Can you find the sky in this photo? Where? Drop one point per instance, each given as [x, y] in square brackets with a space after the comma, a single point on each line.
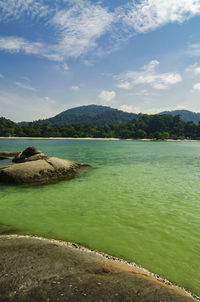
[133, 55]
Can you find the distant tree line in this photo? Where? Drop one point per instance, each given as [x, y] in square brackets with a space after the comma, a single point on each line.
[145, 126]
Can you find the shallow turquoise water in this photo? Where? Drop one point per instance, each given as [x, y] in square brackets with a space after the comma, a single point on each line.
[141, 202]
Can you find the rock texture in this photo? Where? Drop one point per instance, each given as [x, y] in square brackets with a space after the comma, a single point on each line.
[33, 167]
[38, 270]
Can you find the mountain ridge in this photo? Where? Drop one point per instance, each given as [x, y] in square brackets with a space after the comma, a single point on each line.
[89, 115]
[157, 126]
[186, 115]
[98, 115]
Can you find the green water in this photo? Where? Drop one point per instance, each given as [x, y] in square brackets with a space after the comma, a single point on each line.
[141, 202]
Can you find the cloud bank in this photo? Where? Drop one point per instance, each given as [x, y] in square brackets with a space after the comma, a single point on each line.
[79, 26]
[107, 96]
[148, 15]
[149, 76]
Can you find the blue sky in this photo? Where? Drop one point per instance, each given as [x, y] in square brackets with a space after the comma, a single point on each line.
[137, 56]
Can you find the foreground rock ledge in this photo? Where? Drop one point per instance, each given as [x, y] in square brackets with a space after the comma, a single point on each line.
[34, 167]
[36, 269]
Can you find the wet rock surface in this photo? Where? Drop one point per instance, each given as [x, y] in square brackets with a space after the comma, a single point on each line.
[34, 167]
[37, 270]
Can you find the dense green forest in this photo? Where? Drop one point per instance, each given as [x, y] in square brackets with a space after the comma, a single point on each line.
[145, 126]
[9, 128]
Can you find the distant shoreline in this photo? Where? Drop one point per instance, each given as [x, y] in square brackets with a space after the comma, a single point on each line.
[101, 139]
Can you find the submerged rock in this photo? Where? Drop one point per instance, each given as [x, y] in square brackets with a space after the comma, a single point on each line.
[34, 167]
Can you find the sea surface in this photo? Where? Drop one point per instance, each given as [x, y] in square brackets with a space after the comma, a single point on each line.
[140, 202]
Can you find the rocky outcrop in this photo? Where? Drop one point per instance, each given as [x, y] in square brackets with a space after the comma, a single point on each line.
[29, 154]
[40, 270]
[6, 155]
[34, 167]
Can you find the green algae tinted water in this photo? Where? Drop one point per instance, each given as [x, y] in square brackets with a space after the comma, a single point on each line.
[141, 202]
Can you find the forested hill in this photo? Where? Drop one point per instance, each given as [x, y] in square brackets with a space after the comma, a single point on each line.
[9, 128]
[158, 126]
[186, 115]
[93, 115]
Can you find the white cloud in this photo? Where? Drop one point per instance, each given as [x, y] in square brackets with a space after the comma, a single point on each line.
[124, 85]
[147, 75]
[25, 86]
[194, 69]
[1, 76]
[130, 109]
[75, 88]
[196, 86]
[80, 26]
[76, 26]
[15, 44]
[160, 86]
[107, 95]
[197, 70]
[50, 56]
[148, 15]
[14, 9]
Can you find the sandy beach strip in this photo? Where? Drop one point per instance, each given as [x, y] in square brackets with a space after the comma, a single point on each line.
[99, 139]
[64, 138]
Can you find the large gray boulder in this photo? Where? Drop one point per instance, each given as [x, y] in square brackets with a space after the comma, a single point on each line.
[37, 168]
